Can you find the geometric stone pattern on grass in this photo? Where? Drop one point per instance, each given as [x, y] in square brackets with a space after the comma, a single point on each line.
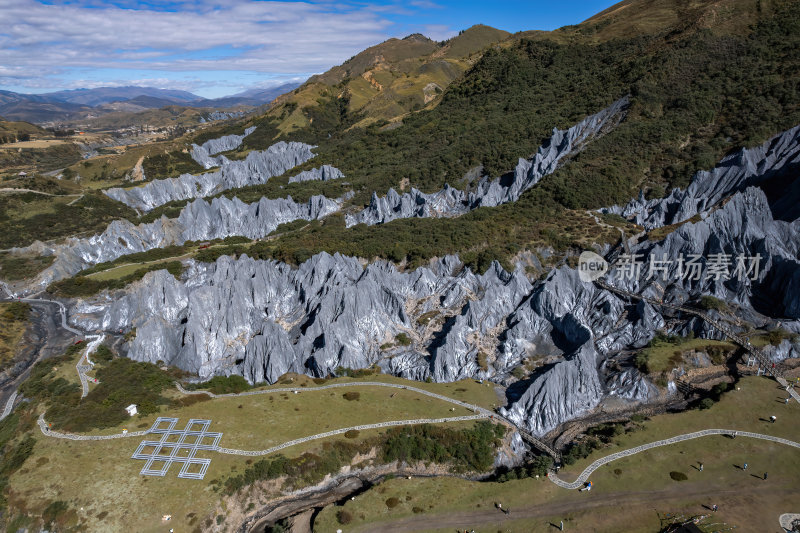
[177, 446]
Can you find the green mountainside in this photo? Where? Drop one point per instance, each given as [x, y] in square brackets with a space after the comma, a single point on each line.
[386, 81]
[696, 94]
[703, 78]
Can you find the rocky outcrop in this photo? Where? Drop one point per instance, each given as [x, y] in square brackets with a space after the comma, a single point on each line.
[740, 230]
[323, 173]
[221, 115]
[260, 319]
[202, 154]
[256, 168]
[199, 220]
[771, 162]
[569, 388]
[492, 192]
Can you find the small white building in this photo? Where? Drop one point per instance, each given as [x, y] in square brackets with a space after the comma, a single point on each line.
[131, 409]
[22, 174]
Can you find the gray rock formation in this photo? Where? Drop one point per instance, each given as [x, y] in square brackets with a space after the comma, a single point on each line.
[261, 319]
[256, 168]
[221, 115]
[202, 154]
[492, 192]
[199, 220]
[323, 173]
[745, 168]
[567, 390]
[742, 228]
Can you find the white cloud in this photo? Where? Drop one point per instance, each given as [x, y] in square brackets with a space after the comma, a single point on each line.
[90, 43]
[265, 36]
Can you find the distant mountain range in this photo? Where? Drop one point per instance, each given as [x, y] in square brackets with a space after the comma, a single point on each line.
[82, 103]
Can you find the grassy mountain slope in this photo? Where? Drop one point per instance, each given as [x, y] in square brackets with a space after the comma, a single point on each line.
[12, 130]
[696, 94]
[388, 80]
[698, 89]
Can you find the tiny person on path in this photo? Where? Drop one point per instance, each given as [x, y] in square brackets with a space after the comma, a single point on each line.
[744, 466]
[714, 507]
[562, 525]
[772, 419]
[701, 467]
[786, 401]
[765, 475]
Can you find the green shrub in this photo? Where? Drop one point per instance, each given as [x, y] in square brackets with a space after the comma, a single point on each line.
[392, 502]
[777, 336]
[539, 466]
[121, 383]
[466, 450]
[103, 354]
[402, 339]
[678, 476]
[352, 396]
[711, 303]
[17, 312]
[222, 385]
[705, 403]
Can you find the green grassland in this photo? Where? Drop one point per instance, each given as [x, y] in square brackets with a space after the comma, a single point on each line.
[664, 353]
[12, 130]
[27, 217]
[99, 488]
[13, 160]
[645, 476]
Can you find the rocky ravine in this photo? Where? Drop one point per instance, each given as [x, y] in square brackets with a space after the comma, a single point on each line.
[261, 319]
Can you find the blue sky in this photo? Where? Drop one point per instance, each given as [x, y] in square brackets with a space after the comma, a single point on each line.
[220, 47]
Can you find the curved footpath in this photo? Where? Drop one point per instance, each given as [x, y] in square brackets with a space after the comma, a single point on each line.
[268, 451]
[80, 367]
[480, 413]
[680, 438]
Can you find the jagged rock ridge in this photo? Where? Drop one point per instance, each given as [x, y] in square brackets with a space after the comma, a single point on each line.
[492, 192]
[199, 220]
[256, 168]
[323, 173]
[201, 154]
[745, 168]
